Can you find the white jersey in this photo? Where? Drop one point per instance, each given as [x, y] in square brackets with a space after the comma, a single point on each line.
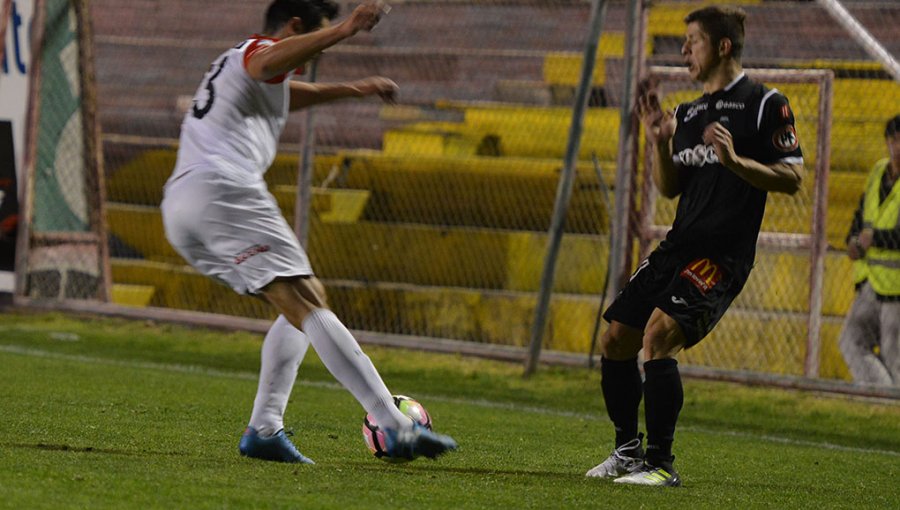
[235, 122]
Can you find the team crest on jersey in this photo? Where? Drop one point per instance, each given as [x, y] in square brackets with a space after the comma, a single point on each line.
[785, 139]
[703, 273]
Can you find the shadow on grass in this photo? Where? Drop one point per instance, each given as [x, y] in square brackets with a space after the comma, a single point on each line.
[90, 449]
[421, 467]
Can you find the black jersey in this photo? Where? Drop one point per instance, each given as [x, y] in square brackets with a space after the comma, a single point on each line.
[718, 210]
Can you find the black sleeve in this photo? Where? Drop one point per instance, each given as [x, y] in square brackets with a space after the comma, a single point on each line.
[856, 224]
[778, 136]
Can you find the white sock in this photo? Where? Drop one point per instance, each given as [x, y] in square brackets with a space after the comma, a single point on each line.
[343, 357]
[282, 351]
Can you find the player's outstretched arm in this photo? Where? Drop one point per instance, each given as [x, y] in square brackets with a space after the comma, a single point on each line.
[307, 94]
[292, 52]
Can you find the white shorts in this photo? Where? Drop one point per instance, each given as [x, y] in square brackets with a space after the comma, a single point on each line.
[233, 232]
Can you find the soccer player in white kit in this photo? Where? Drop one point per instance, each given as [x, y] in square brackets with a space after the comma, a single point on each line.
[219, 215]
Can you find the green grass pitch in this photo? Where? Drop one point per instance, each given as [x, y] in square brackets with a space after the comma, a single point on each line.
[119, 414]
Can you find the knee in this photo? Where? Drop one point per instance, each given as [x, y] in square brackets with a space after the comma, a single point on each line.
[619, 345]
[312, 291]
[662, 339]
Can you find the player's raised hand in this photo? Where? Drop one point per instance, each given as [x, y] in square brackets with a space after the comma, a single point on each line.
[367, 15]
[385, 88]
[719, 137]
[659, 124]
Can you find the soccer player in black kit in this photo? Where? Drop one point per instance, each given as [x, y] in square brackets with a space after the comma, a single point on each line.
[721, 153]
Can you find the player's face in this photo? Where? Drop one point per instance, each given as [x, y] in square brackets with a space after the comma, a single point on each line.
[698, 53]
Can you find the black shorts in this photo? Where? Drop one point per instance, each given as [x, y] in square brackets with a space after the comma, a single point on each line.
[693, 287]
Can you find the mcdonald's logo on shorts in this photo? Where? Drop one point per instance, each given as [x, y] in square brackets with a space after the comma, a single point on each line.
[703, 273]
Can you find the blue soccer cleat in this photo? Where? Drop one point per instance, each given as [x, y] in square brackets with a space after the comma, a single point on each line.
[415, 442]
[277, 447]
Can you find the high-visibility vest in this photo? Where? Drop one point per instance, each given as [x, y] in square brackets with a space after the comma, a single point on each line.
[883, 266]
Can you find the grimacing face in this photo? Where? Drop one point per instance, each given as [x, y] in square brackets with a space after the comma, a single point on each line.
[698, 52]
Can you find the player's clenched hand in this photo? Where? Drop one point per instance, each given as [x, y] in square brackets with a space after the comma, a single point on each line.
[367, 15]
[720, 138]
[659, 124]
[385, 88]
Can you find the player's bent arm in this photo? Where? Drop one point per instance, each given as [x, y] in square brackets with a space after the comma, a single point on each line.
[292, 52]
[777, 177]
[666, 173]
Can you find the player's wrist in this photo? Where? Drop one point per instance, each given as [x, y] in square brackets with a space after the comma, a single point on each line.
[346, 29]
[663, 147]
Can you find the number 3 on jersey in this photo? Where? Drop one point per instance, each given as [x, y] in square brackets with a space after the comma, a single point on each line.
[213, 72]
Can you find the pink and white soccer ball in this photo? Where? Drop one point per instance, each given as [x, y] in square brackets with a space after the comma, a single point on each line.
[374, 436]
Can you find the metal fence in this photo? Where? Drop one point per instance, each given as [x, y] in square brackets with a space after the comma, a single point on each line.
[429, 219]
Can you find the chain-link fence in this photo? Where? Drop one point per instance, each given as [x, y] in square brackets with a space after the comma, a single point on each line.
[430, 217]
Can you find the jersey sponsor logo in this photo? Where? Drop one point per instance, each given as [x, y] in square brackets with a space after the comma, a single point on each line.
[785, 139]
[256, 249]
[729, 105]
[703, 273]
[700, 155]
[695, 110]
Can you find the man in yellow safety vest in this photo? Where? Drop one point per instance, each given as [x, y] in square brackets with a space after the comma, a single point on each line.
[870, 340]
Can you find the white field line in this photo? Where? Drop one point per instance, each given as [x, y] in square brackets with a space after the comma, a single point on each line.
[488, 404]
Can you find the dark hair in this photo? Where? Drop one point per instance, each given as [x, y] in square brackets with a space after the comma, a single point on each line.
[721, 22]
[893, 127]
[312, 12]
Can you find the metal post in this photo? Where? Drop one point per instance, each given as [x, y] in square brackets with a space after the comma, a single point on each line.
[627, 157]
[303, 205]
[818, 239]
[564, 189]
[862, 36]
[93, 147]
[26, 191]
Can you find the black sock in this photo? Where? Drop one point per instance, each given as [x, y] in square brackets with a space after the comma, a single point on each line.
[621, 384]
[663, 398]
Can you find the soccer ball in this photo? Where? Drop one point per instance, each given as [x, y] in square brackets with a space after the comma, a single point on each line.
[374, 436]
